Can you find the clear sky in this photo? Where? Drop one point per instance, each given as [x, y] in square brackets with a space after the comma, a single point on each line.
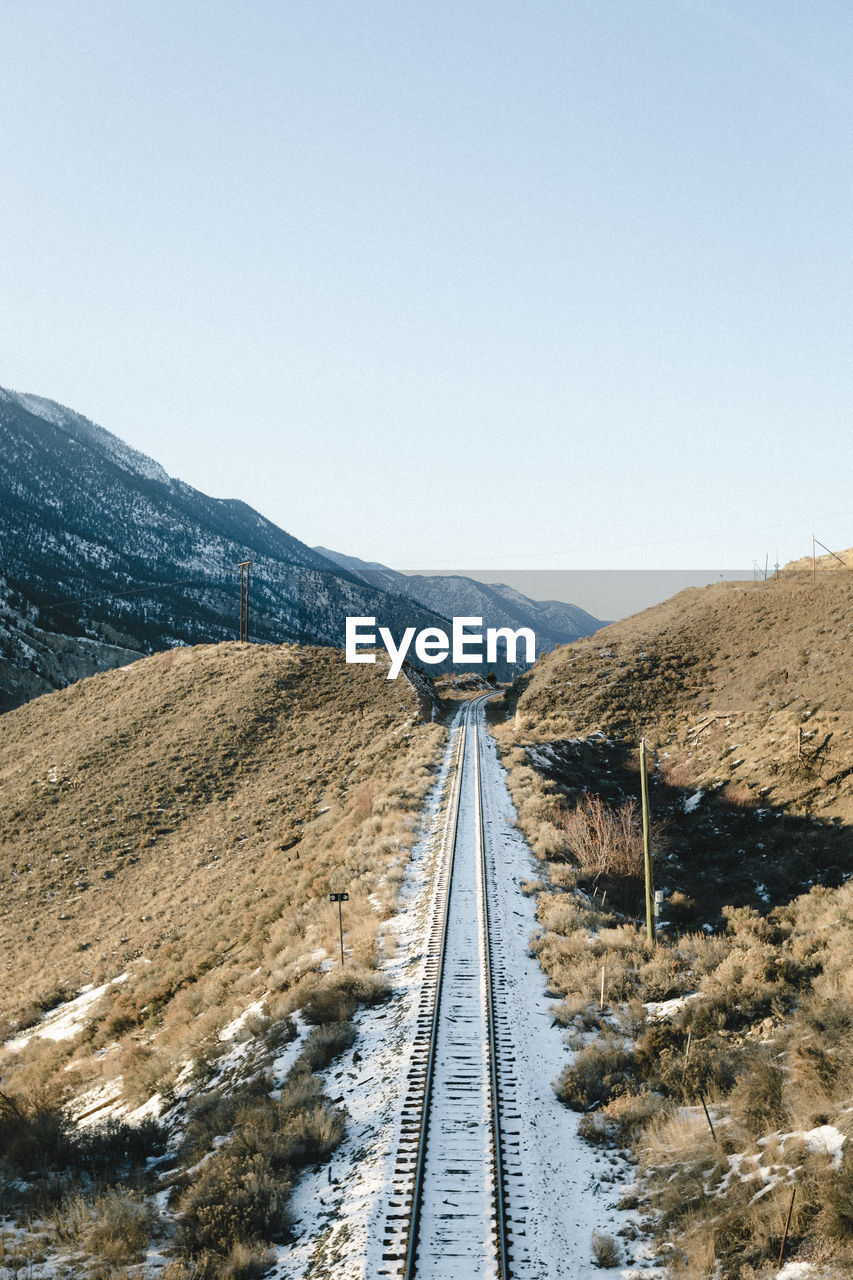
[563, 284]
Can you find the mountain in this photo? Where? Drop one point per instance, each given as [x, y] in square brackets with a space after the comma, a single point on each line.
[34, 661]
[99, 543]
[553, 622]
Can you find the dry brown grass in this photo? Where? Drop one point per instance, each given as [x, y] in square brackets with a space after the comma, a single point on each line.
[184, 820]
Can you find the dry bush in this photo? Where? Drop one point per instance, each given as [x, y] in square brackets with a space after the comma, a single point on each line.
[622, 1120]
[234, 1199]
[739, 795]
[678, 1159]
[337, 996]
[682, 910]
[605, 1250]
[603, 840]
[362, 801]
[678, 774]
[325, 1043]
[37, 1136]
[597, 1073]
[34, 1135]
[241, 1194]
[836, 1214]
[560, 912]
[114, 1226]
[242, 1262]
[757, 1098]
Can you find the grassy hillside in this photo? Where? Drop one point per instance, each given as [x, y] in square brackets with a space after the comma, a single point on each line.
[744, 693]
[171, 831]
[721, 679]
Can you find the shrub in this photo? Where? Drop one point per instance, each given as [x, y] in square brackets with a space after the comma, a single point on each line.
[757, 1097]
[605, 1250]
[620, 1122]
[337, 998]
[682, 909]
[115, 1226]
[836, 1217]
[242, 1262]
[603, 839]
[324, 1044]
[598, 1073]
[233, 1200]
[711, 1068]
[34, 1135]
[363, 799]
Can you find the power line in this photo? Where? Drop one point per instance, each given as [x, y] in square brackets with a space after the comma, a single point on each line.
[134, 591]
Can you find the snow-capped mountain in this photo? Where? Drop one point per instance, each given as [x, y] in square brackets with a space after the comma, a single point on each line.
[97, 541]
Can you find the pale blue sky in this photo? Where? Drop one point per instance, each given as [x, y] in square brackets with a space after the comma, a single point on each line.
[551, 285]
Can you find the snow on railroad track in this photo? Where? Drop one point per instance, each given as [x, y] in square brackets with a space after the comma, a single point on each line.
[558, 1188]
[444, 1213]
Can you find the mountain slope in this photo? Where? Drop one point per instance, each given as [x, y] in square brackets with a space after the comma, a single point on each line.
[746, 685]
[34, 661]
[208, 779]
[552, 621]
[99, 542]
[170, 834]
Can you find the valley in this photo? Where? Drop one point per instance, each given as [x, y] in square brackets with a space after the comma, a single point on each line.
[194, 1086]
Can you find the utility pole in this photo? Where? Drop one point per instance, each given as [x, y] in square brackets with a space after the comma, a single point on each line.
[244, 566]
[647, 846]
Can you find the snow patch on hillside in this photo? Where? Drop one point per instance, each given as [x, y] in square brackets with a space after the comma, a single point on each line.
[63, 1022]
[86, 432]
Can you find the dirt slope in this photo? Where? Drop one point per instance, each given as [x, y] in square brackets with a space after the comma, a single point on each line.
[743, 685]
[170, 812]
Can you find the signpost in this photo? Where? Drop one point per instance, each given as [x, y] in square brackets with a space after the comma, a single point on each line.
[339, 898]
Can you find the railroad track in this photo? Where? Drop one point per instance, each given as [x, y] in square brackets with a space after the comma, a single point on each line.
[448, 1213]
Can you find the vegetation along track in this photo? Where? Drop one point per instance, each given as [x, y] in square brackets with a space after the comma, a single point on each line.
[449, 1208]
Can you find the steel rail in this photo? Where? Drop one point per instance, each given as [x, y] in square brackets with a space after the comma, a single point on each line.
[500, 1181]
[501, 1231]
[417, 1194]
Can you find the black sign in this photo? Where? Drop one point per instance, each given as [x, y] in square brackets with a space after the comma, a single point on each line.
[339, 897]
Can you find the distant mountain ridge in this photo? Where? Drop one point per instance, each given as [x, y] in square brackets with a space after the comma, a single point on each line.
[104, 557]
[553, 622]
[98, 541]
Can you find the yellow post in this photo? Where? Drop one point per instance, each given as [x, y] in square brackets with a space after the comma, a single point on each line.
[647, 845]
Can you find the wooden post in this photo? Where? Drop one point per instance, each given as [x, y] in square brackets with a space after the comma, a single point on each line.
[647, 847]
[814, 560]
[601, 1001]
[787, 1224]
[707, 1116]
